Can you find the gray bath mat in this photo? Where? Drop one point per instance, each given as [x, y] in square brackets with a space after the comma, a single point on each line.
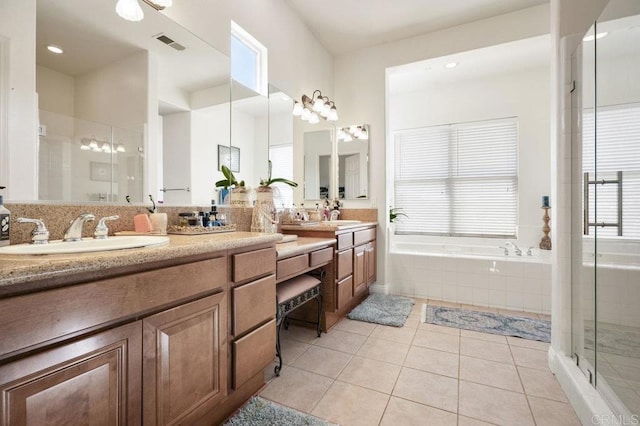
[487, 322]
[383, 309]
[261, 412]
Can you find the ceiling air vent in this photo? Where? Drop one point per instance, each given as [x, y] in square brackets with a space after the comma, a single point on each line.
[169, 42]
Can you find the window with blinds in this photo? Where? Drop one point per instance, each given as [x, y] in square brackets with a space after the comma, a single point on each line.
[281, 157]
[458, 179]
[616, 148]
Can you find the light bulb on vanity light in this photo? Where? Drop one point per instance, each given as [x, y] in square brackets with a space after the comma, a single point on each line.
[120, 148]
[129, 10]
[333, 114]
[306, 114]
[163, 3]
[314, 119]
[106, 147]
[297, 108]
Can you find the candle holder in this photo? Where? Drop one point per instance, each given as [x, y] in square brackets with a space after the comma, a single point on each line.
[545, 242]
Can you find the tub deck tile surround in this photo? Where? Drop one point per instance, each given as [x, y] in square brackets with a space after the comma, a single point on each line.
[467, 275]
[502, 382]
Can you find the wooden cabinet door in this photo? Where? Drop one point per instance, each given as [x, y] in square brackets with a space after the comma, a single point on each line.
[371, 263]
[91, 381]
[185, 361]
[359, 269]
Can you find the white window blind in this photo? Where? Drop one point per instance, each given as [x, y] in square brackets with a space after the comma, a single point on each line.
[616, 148]
[281, 157]
[458, 179]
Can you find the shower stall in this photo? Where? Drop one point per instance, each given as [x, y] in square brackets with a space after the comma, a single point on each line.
[605, 207]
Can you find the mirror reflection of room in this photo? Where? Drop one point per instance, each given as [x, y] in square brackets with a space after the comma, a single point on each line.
[353, 159]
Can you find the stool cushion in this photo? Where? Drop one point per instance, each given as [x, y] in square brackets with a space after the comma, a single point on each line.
[291, 288]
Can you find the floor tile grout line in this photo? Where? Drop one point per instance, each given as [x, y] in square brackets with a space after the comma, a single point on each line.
[523, 388]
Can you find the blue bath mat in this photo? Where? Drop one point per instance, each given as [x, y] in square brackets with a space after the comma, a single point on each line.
[487, 322]
[261, 412]
[383, 309]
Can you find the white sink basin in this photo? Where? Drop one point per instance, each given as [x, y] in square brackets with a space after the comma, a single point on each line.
[86, 245]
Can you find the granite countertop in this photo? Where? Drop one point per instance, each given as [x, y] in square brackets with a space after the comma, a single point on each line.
[325, 226]
[17, 271]
[302, 245]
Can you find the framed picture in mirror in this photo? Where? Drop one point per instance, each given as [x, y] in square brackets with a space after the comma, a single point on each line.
[230, 157]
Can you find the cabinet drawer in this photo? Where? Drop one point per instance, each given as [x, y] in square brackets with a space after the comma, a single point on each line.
[253, 353]
[292, 266]
[345, 240]
[253, 303]
[253, 264]
[319, 257]
[364, 236]
[38, 317]
[345, 292]
[345, 264]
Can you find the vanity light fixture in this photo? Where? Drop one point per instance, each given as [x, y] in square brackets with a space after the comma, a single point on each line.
[54, 49]
[131, 10]
[312, 108]
[347, 134]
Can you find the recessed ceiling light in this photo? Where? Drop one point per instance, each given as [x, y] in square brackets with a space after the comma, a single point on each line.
[596, 37]
[54, 49]
[451, 65]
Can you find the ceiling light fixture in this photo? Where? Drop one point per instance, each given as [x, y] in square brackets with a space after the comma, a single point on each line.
[131, 10]
[595, 37]
[54, 49]
[451, 65]
[312, 108]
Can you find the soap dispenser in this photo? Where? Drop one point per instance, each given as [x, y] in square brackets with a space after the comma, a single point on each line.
[5, 223]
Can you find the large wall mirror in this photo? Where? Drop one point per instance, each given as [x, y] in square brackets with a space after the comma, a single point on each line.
[249, 133]
[127, 108]
[353, 162]
[319, 179]
[281, 144]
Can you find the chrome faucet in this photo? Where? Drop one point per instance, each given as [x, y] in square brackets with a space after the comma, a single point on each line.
[102, 232]
[74, 231]
[40, 234]
[516, 249]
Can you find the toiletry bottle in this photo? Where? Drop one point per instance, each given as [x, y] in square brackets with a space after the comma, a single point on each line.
[5, 223]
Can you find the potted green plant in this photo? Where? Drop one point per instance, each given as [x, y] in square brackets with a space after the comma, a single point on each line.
[264, 217]
[238, 195]
[271, 180]
[394, 213]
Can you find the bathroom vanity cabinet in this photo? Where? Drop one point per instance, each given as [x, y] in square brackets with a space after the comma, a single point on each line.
[349, 276]
[181, 344]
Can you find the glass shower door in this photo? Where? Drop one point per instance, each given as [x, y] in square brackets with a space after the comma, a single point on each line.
[606, 207]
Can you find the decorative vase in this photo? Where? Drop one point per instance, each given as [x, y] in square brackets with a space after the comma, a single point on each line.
[264, 218]
[239, 197]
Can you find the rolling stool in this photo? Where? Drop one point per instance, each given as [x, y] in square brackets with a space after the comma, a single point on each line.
[290, 295]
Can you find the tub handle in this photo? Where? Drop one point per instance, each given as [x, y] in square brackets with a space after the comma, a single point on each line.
[506, 250]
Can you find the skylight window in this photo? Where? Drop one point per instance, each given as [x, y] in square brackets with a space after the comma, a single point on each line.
[248, 60]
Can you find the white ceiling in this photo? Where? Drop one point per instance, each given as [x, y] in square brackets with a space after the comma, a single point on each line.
[346, 25]
[93, 35]
[521, 55]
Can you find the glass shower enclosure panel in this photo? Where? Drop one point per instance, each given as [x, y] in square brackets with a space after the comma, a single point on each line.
[606, 207]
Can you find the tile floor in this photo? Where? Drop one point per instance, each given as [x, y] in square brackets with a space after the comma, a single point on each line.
[420, 374]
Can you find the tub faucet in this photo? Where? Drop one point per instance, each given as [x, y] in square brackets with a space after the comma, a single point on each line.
[516, 249]
[506, 250]
[74, 231]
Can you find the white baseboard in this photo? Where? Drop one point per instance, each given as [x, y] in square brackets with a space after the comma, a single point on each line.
[379, 288]
[588, 404]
